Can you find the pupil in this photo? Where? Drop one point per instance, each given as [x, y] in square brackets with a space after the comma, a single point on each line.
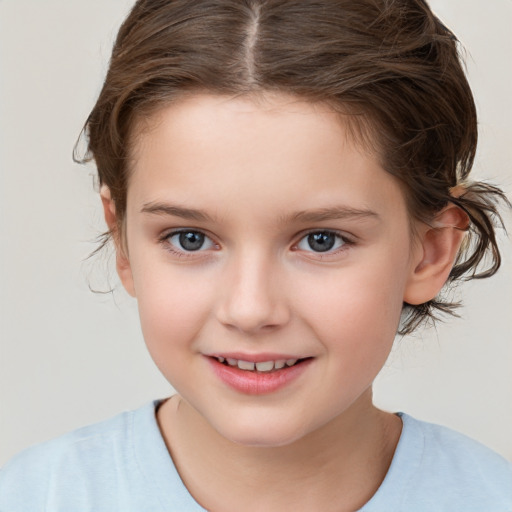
[321, 242]
[191, 241]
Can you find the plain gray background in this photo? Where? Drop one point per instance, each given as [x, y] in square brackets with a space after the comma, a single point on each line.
[69, 357]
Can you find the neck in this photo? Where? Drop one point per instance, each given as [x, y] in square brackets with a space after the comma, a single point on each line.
[339, 466]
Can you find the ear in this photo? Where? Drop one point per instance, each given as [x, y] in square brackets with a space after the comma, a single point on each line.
[435, 254]
[122, 261]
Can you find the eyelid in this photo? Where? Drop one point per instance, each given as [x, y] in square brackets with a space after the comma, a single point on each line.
[165, 237]
[346, 239]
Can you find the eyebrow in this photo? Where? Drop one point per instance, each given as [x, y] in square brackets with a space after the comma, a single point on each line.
[176, 211]
[333, 213]
[316, 215]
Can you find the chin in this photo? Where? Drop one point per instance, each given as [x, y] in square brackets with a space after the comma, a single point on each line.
[262, 435]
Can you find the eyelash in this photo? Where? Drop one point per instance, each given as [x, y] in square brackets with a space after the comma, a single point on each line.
[183, 253]
[346, 242]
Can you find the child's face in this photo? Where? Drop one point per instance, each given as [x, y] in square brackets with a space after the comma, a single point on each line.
[294, 244]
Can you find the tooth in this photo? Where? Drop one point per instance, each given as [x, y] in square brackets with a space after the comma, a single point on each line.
[245, 365]
[220, 359]
[280, 363]
[232, 362]
[265, 366]
[291, 362]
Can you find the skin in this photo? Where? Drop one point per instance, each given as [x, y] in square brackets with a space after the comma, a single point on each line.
[256, 286]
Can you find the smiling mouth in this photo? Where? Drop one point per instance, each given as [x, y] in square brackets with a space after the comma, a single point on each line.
[260, 367]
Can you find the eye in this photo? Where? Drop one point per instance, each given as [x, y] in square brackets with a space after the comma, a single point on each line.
[189, 241]
[321, 241]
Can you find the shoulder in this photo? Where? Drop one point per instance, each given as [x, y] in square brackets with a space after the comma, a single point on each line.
[445, 448]
[436, 468]
[118, 464]
[448, 471]
[71, 466]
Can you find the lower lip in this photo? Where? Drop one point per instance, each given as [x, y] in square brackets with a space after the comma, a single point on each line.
[257, 383]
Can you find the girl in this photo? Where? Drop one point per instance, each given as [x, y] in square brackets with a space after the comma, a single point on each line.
[287, 186]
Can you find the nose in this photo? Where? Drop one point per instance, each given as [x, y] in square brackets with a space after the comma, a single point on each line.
[252, 296]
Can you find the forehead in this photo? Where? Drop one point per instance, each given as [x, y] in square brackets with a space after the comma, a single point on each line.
[276, 151]
[194, 111]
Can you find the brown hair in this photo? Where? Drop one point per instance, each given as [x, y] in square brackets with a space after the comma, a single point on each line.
[391, 65]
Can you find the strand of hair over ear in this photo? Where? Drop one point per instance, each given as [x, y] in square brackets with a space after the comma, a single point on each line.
[481, 202]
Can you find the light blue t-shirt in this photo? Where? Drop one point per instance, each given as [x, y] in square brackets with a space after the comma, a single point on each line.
[123, 465]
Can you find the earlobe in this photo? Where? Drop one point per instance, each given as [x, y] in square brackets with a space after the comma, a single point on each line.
[122, 261]
[435, 254]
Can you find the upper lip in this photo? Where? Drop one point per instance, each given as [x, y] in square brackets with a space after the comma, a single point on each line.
[255, 358]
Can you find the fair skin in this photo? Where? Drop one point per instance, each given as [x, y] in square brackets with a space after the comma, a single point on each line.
[299, 246]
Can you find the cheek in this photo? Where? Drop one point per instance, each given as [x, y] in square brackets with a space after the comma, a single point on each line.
[355, 309]
[173, 306]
